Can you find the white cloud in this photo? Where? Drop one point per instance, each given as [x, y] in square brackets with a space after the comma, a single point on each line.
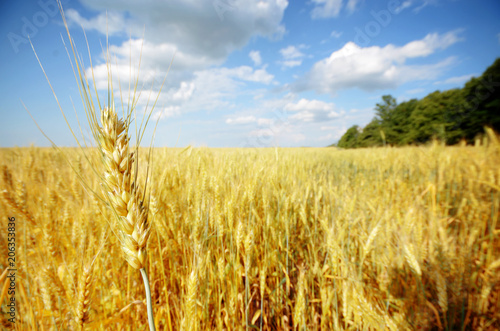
[292, 56]
[326, 8]
[154, 59]
[403, 6]
[212, 89]
[352, 4]
[110, 22]
[288, 121]
[262, 122]
[248, 74]
[265, 121]
[426, 3]
[457, 80]
[216, 88]
[312, 105]
[332, 8]
[203, 88]
[167, 112]
[291, 52]
[291, 63]
[184, 92]
[193, 27]
[200, 36]
[241, 120]
[256, 58]
[312, 110]
[336, 34]
[270, 136]
[375, 67]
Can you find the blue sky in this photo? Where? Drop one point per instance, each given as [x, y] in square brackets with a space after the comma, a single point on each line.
[245, 73]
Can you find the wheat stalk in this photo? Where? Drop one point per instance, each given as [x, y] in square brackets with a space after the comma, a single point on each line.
[124, 194]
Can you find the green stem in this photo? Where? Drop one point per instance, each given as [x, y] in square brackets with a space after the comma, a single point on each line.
[148, 300]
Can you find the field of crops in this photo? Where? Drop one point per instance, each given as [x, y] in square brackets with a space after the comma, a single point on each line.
[271, 239]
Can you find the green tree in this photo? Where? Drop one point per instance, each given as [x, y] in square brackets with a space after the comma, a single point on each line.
[385, 109]
[350, 138]
[430, 117]
[370, 135]
[450, 115]
[399, 125]
[394, 119]
[384, 114]
[481, 104]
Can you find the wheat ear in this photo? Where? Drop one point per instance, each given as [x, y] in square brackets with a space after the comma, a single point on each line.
[82, 308]
[124, 195]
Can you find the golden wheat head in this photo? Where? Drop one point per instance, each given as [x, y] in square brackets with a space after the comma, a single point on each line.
[124, 195]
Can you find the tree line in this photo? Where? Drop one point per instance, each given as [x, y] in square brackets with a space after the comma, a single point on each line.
[450, 116]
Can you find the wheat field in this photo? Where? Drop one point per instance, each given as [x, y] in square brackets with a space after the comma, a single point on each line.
[266, 239]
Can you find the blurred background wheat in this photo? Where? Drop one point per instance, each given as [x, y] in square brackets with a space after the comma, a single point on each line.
[271, 239]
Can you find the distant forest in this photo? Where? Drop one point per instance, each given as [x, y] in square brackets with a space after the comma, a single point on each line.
[450, 116]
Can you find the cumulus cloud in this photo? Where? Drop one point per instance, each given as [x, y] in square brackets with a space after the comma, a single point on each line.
[194, 27]
[154, 60]
[292, 56]
[211, 89]
[375, 67]
[312, 110]
[256, 58]
[111, 22]
[184, 92]
[291, 52]
[201, 89]
[199, 34]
